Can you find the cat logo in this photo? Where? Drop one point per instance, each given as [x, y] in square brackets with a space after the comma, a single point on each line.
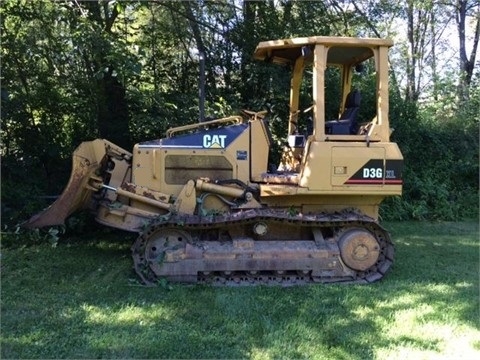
[214, 141]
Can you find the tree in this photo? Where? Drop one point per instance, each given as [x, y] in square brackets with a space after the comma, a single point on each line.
[102, 63]
[467, 9]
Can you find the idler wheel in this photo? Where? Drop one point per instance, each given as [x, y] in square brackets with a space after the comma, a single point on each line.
[359, 249]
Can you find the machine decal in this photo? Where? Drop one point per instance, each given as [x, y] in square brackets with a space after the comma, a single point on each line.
[374, 173]
[214, 141]
[242, 155]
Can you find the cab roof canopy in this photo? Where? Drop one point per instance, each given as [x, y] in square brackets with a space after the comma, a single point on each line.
[344, 50]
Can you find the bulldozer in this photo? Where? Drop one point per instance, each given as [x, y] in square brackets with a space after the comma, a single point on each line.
[208, 206]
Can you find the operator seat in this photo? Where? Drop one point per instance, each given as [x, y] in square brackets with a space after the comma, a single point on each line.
[347, 123]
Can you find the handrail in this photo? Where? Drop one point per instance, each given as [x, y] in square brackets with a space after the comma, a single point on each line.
[355, 138]
[236, 119]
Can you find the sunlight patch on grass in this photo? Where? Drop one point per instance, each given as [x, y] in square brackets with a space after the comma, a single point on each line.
[429, 330]
[127, 315]
[464, 284]
[35, 338]
[409, 318]
[430, 341]
[401, 301]
[291, 340]
[258, 353]
[365, 312]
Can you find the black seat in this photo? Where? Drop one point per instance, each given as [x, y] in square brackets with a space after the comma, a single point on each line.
[347, 123]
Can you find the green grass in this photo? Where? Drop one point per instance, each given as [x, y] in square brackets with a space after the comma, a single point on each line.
[81, 300]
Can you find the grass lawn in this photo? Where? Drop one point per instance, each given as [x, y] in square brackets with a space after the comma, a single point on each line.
[81, 300]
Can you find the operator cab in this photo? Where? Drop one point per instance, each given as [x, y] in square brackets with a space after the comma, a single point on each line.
[334, 59]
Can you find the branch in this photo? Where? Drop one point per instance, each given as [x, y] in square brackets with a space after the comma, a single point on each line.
[367, 21]
[189, 17]
[109, 20]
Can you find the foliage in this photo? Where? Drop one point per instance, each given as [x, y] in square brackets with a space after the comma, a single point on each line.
[426, 307]
[128, 70]
[20, 236]
[441, 150]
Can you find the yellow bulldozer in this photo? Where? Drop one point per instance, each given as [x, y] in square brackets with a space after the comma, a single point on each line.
[210, 208]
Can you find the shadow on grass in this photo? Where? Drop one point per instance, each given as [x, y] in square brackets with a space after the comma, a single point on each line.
[79, 301]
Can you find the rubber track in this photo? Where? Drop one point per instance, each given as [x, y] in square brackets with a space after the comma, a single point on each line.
[344, 219]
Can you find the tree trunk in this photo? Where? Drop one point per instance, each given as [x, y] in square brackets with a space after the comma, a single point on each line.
[197, 35]
[434, 58]
[466, 63]
[411, 60]
[112, 110]
[249, 37]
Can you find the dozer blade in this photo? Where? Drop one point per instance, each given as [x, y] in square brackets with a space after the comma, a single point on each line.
[87, 159]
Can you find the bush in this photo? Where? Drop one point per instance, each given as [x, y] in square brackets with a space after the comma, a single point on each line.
[441, 162]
